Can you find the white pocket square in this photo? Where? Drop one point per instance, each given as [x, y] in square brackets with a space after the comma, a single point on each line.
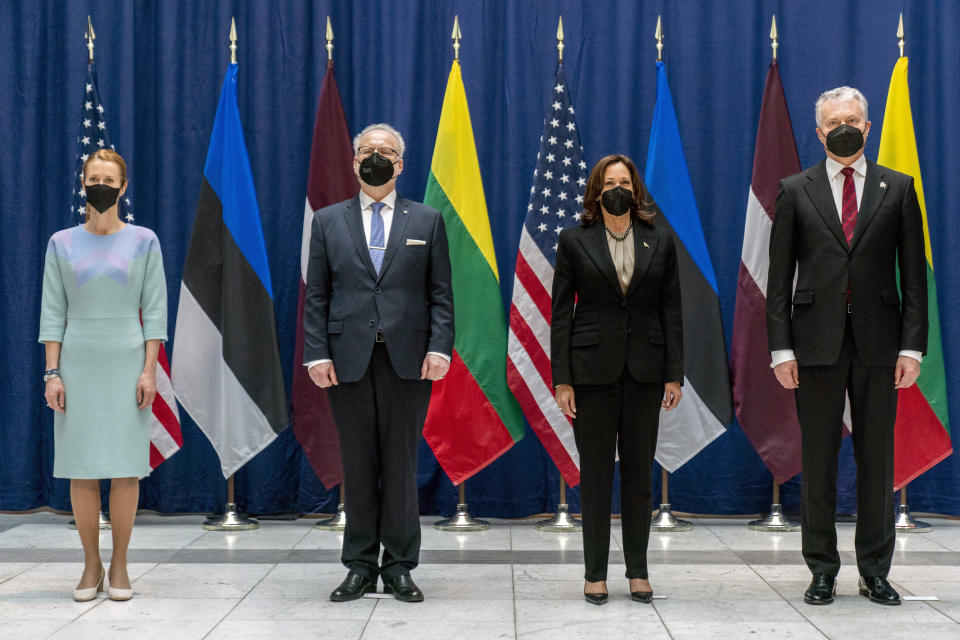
[412, 242]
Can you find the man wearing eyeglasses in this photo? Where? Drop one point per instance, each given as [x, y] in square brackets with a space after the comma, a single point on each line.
[378, 329]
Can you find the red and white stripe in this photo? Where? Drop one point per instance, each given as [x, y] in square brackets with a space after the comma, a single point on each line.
[165, 435]
[528, 358]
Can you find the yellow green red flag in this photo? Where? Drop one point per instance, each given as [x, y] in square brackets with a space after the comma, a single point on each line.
[473, 416]
[922, 433]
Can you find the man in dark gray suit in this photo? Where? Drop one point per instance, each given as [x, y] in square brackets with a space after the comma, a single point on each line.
[378, 329]
[846, 228]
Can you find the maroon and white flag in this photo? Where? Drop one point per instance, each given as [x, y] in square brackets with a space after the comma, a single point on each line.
[766, 411]
[330, 180]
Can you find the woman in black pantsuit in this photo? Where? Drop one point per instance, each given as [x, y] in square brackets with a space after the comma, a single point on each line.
[617, 358]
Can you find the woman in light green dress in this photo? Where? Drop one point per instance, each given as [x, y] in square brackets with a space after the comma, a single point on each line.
[99, 280]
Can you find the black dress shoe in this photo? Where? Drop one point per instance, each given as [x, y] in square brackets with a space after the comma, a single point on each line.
[642, 596]
[878, 590]
[821, 590]
[353, 587]
[595, 598]
[403, 588]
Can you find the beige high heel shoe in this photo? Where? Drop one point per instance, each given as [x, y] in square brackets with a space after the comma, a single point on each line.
[88, 594]
[118, 594]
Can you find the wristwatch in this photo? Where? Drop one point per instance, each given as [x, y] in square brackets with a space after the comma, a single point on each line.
[51, 373]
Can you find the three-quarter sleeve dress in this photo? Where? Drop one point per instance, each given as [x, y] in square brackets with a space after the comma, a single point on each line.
[96, 288]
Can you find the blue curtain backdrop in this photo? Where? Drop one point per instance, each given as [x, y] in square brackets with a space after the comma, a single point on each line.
[160, 66]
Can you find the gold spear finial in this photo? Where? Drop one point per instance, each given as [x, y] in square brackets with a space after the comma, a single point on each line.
[659, 36]
[329, 41]
[773, 37]
[560, 41]
[90, 37]
[455, 36]
[899, 35]
[233, 41]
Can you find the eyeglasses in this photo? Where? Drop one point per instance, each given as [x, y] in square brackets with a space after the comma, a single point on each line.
[386, 152]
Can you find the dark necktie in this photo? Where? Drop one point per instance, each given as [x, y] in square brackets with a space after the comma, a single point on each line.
[849, 215]
[377, 244]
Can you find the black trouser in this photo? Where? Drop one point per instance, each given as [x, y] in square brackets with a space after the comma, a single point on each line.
[380, 419]
[873, 407]
[620, 416]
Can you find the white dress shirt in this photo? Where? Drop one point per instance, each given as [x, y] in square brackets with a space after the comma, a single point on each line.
[366, 212]
[836, 178]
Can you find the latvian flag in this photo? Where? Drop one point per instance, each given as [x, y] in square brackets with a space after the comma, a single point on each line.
[706, 408]
[766, 411]
[226, 365]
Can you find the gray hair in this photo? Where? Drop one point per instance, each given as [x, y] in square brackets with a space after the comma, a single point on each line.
[840, 94]
[380, 126]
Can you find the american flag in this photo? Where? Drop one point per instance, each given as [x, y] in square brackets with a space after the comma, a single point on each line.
[556, 202]
[165, 435]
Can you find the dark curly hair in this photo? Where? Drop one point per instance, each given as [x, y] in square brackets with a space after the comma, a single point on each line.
[642, 208]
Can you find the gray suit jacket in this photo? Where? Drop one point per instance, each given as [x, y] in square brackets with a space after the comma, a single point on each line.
[411, 299]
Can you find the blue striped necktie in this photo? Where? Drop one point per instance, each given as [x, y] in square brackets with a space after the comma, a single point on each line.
[377, 244]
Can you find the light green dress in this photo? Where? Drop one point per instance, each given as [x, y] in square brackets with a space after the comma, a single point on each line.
[94, 290]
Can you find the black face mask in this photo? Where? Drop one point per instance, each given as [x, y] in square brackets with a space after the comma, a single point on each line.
[617, 201]
[101, 197]
[376, 170]
[844, 141]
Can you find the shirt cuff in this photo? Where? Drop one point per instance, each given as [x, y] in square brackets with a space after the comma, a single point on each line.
[916, 355]
[780, 356]
[312, 363]
[442, 355]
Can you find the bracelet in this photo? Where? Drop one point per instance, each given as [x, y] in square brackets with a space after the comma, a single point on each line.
[51, 373]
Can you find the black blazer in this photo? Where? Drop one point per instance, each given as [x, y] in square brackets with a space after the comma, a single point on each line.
[412, 299]
[807, 240]
[592, 340]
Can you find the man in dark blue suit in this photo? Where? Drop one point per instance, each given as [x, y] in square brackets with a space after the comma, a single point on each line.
[378, 329]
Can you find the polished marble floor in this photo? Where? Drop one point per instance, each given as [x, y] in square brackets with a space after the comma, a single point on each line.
[720, 580]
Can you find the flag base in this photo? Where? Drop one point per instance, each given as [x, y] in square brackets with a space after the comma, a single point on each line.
[104, 522]
[562, 521]
[337, 523]
[231, 520]
[461, 521]
[665, 522]
[775, 521]
[906, 524]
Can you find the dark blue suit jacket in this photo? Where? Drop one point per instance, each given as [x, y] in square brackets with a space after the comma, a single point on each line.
[411, 299]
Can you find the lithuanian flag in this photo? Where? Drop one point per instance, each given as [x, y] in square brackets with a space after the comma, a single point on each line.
[922, 434]
[473, 416]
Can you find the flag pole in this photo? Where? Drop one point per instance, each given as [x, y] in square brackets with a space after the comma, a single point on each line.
[461, 520]
[561, 521]
[774, 520]
[231, 520]
[904, 521]
[90, 36]
[339, 520]
[665, 521]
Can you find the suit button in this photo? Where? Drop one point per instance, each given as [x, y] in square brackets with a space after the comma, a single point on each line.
[623, 303]
[371, 323]
[377, 290]
[629, 331]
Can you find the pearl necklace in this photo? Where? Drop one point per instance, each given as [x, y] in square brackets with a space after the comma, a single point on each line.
[619, 237]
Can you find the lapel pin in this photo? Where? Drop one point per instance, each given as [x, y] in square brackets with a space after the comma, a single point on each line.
[883, 185]
[405, 211]
[646, 245]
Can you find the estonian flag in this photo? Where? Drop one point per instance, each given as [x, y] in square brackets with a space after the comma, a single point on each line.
[707, 405]
[226, 365]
